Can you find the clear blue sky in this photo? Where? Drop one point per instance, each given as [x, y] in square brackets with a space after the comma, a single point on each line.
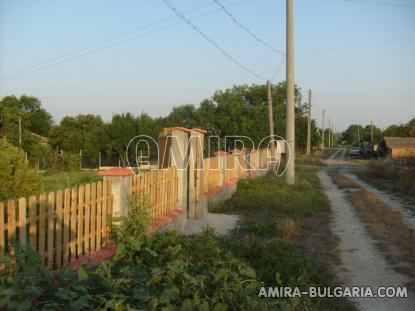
[358, 57]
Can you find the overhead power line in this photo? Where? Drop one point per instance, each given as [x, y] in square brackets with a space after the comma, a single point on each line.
[398, 4]
[207, 38]
[278, 69]
[253, 35]
[75, 53]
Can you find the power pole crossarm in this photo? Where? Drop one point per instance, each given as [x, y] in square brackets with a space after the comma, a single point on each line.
[309, 124]
[290, 130]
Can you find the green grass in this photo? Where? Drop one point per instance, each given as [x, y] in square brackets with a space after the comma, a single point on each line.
[264, 205]
[62, 180]
[270, 196]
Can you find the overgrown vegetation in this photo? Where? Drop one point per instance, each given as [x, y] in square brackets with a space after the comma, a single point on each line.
[64, 180]
[198, 272]
[382, 175]
[16, 179]
[284, 232]
[149, 272]
[314, 159]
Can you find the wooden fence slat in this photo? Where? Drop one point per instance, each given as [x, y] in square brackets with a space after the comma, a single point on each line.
[109, 212]
[33, 222]
[99, 215]
[81, 193]
[66, 225]
[74, 207]
[59, 215]
[22, 221]
[2, 228]
[93, 216]
[11, 224]
[104, 212]
[42, 226]
[51, 227]
[87, 217]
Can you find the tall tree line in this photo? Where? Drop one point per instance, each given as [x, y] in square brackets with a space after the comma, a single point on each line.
[240, 110]
[356, 131]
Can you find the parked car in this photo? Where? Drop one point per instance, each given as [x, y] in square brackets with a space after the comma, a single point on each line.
[355, 153]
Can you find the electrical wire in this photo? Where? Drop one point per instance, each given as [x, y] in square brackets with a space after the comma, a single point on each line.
[62, 59]
[278, 69]
[253, 35]
[381, 3]
[207, 38]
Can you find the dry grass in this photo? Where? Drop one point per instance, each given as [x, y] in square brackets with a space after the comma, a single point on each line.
[380, 174]
[316, 239]
[287, 228]
[396, 239]
[343, 182]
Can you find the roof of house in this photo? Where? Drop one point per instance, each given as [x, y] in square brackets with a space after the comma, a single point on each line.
[116, 171]
[168, 130]
[399, 142]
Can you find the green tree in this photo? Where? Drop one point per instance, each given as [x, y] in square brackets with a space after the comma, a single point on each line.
[16, 179]
[351, 134]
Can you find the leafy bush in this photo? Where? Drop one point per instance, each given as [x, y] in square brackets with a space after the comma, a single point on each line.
[62, 180]
[151, 272]
[166, 271]
[16, 179]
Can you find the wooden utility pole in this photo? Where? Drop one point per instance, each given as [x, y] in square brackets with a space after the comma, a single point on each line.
[290, 128]
[20, 131]
[371, 132]
[271, 121]
[329, 128]
[322, 134]
[309, 124]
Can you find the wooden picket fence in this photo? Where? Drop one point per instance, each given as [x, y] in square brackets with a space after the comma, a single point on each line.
[160, 188]
[236, 166]
[61, 226]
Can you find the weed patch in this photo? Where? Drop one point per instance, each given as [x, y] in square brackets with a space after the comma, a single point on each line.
[395, 238]
[380, 174]
[343, 182]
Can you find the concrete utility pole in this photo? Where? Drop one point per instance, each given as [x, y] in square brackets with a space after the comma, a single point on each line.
[290, 173]
[322, 133]
[309, 124]
[20, 131]
[358, 136]
[271, 120]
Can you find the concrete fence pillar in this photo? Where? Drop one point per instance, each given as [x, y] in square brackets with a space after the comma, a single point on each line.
[121, 179]
[179, 159]
[221, 155]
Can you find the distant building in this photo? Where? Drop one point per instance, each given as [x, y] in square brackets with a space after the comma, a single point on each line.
[397, 147]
